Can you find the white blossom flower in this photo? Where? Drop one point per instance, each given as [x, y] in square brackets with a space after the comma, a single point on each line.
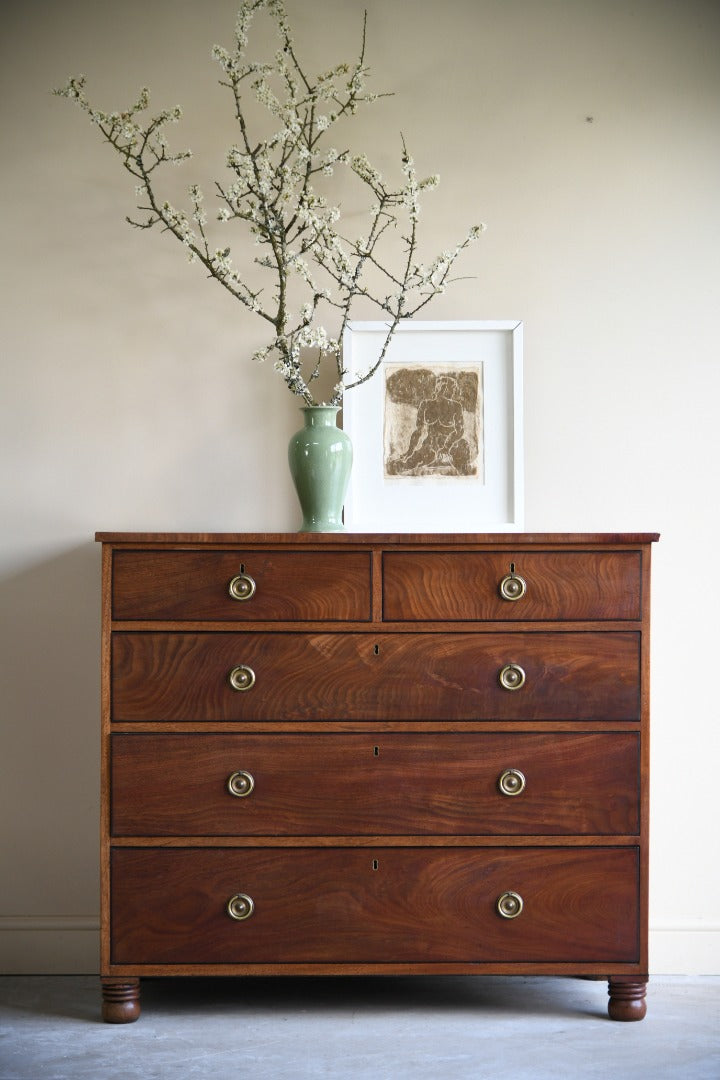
[429, 183]
[365, 170]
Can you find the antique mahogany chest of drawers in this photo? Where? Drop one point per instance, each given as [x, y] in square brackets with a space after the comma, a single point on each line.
[359, 754]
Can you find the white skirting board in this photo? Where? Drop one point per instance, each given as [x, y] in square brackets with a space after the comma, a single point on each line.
[688, 950]
[68, 945]
[50, 945]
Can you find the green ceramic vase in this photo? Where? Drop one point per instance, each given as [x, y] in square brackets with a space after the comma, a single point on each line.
[320, 457]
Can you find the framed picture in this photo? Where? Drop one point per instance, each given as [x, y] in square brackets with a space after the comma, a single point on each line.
[437, 430]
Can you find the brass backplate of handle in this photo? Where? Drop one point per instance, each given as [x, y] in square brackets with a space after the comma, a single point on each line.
[512, 586]
[242, 677]
[509, 905]
[240, 783]
[511, 782]
[242, 587]
[240, 906]
[512, 677]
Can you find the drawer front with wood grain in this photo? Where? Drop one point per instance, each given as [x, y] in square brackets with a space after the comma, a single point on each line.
[241, 586]
[542, 676]
[379, 905]
[534, 585]
[375, 784]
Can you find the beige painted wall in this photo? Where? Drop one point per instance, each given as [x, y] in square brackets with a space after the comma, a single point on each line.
[128, 400]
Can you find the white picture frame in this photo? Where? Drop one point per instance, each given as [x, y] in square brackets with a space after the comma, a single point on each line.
[400, 481]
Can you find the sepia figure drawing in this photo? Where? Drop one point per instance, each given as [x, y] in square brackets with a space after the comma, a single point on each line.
[433, 420]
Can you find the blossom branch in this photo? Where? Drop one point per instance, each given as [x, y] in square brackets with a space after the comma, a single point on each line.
[273, 193]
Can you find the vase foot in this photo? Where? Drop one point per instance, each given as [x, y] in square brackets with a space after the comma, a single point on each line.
[323, 528]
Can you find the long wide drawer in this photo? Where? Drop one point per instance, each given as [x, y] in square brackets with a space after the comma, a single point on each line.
[374, 785]
[237, 585]
[374, 906]
[298, 676]
[527, 585]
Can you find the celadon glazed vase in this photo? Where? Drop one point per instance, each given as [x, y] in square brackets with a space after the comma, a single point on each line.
[320, 458]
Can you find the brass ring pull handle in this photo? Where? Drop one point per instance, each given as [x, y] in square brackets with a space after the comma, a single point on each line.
[512, 677]
[512, 586]
[240, 906]
[242, 587]
[511, 782]
[509, 905]
[240, 783]
[242, 677]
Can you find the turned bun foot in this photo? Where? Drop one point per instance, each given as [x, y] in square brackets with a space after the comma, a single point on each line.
[627, 999]
[121, 1000]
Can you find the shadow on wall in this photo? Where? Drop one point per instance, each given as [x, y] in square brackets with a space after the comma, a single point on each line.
[50, 672]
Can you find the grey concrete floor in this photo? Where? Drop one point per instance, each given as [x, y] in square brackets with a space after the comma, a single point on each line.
[365, 1028]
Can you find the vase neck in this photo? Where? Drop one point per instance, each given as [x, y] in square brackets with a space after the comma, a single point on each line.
[320, 415]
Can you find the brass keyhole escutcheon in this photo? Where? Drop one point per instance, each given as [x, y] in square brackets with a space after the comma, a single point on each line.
[242, 587]
[511, 782]
[242, 677]
[240, 907]
[509, 905]
[240, 783]
[512, 677]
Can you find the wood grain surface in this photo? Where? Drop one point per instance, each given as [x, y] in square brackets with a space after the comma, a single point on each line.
[384, 904]
[464, 585]
[184, 677]
[290, 585]
[375, 784]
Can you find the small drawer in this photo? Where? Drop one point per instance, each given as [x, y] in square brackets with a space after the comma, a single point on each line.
[525, 585]
[241, 586]
[379, 784]
[374, 905]
[352, 676]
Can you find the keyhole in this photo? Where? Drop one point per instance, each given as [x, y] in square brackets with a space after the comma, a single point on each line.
[374, 864]
[242, 567]
[376, 650]
[512, 567]
[376, 751]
